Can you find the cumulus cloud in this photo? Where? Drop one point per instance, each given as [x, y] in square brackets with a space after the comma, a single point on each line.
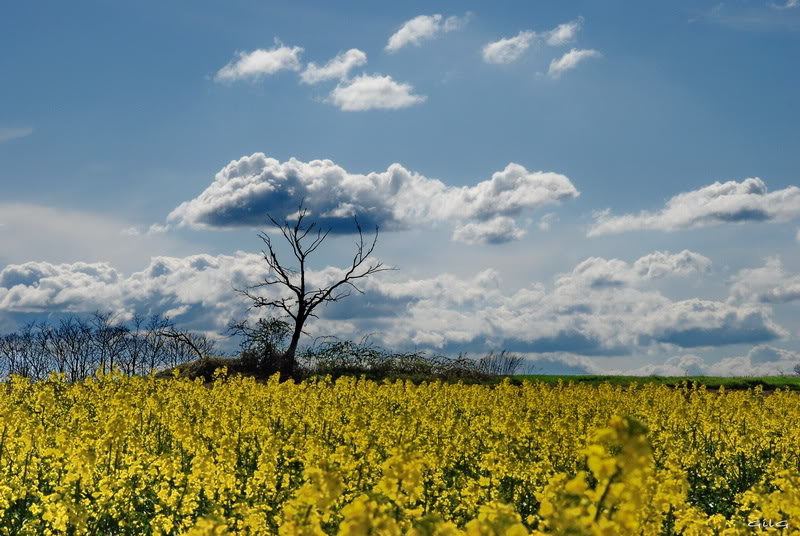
[611, 297]
[761, 360]
[564, 33]
[261, 62]
[244, 191]
[718, 203]
[201, 284]
[661, 264]
[336, 68]
[768, 284]
[696, 323]
[12, 133]
[598, 272]
[368, 92]
[497, 230]
[422, 28]
[40, 285]
[602, 307]
[510, 49]
[569, 61]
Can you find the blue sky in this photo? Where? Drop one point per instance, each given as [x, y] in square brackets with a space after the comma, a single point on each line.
[118, 114]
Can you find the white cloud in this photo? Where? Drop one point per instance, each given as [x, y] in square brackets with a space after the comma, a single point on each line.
[497, 230]
[661, 264]
[761, 360]
[336, 68]
[768, 284]
[138, 230]
[569, 61]
[546, 221]
[680, 365]
[454, 22]
[508, 50]
[45, 286]
[564, 33]
[788, 5]
[601, 308]
[246, 190]
[729, 202]
[597, 272]
[368, 92]
[12, 133]
[199, 286]
[261, 62]
[422, 28]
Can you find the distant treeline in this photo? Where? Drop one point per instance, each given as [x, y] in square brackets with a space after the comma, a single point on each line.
[80, 347]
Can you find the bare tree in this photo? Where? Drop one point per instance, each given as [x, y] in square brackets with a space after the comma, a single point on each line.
[14, 351]
[303, 299]
[154, 347]
[108, 339]
[79, 348]
[135, 346]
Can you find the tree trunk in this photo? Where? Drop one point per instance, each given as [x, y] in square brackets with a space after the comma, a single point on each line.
[288, 361]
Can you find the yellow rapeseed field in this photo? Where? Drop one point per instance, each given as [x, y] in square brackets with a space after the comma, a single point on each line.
[140, 455]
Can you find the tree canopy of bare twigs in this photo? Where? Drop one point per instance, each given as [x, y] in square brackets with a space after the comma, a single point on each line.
[303, 298]
[78, 347]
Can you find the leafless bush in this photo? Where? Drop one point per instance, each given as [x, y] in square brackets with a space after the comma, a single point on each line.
[502, 364]
[262, 344]
[335, 357]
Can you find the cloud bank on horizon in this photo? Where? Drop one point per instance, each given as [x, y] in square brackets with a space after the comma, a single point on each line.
[247, 189]
[603, 307]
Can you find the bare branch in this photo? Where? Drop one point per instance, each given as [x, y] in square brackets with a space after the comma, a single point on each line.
[305, 240]
[181, 337]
